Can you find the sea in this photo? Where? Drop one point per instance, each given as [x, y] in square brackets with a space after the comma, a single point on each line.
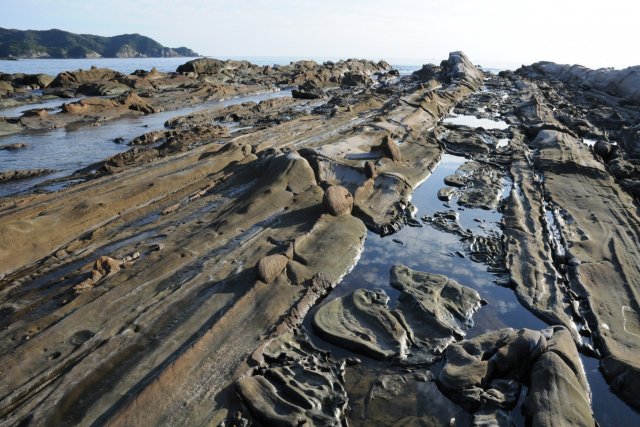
[128, 65]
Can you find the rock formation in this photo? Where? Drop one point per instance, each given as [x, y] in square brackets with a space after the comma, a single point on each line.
[432, 311]
[181, 274]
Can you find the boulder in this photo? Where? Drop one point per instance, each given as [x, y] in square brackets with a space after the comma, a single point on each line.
[337, 200]
[270, 267]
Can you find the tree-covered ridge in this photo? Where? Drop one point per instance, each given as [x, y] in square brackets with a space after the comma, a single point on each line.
[62, 44]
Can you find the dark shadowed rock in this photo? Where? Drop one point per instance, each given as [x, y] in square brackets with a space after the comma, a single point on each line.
[391, 149]
[602, 149]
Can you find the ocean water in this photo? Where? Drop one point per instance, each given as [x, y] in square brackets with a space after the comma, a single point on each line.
[128, 65]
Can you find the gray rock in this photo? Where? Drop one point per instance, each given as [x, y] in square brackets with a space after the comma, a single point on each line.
[362, 322]
[621, 83]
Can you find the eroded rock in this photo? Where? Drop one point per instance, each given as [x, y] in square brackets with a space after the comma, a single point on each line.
[269, 267]
[297, 385]
[486, 373]
[362, 322]
[337, 200]
[432, 311]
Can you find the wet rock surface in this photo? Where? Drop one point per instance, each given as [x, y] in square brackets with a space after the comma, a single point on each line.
[431, 312]
[180, 276]
[486, 375]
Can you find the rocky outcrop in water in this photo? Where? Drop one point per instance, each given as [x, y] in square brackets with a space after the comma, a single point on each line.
[432, 311]
[486, 375]
[15, 175]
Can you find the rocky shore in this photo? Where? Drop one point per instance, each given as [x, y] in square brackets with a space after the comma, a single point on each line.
[191, 279]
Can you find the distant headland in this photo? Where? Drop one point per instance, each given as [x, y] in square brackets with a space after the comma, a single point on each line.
[62, 44]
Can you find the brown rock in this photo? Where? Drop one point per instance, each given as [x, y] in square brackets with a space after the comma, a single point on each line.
[269, 267]
[83, 286]
[337, 200]
[13, 147]
[37, 112]
[105, 266]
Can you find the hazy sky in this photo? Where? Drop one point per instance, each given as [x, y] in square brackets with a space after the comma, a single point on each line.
[592, 33]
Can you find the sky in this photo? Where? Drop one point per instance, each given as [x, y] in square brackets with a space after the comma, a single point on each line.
[592, 33]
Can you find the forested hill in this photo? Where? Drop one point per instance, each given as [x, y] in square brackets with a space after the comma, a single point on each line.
[62, 44]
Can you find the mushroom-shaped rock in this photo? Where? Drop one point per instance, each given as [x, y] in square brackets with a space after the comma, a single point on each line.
[337, 200]
[271, 266]
[390, 149]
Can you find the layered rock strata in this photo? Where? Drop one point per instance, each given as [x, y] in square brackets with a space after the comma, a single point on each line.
[173, 331]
